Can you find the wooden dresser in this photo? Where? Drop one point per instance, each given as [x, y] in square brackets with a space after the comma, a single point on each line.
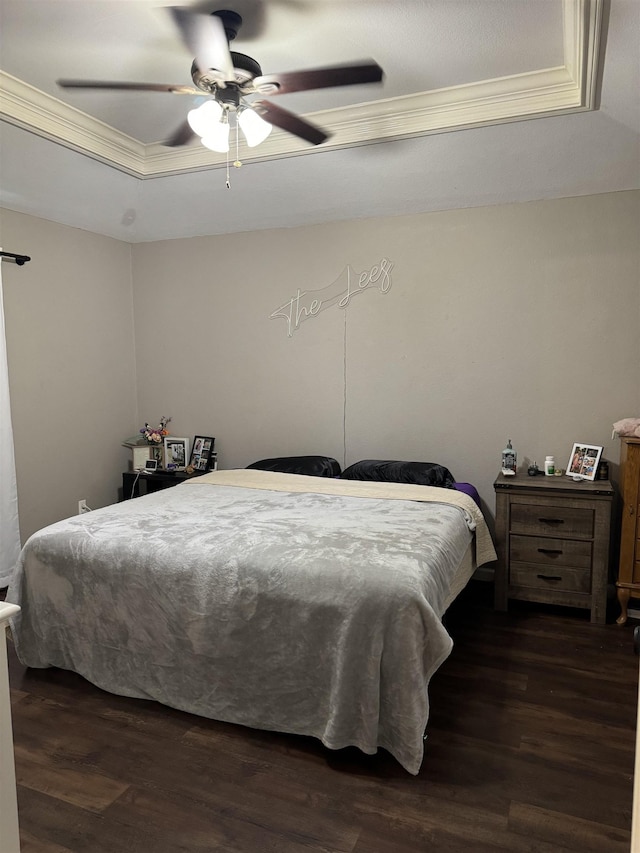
[629, 567]
[553, 538]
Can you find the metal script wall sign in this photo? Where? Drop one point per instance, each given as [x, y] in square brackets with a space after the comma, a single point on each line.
[309, 303]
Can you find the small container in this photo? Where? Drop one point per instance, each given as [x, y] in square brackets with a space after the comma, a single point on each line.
[509, 459]
[549, 466]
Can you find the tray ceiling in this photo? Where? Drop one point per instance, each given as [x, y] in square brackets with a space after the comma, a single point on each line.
[465, 69]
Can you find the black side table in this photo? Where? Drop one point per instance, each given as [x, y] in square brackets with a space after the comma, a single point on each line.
[146, 483]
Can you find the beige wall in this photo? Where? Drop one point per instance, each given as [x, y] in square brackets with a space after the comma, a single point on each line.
[69, 327]
[517, 321]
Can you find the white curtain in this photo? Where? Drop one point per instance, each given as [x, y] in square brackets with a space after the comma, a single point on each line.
[9, 527]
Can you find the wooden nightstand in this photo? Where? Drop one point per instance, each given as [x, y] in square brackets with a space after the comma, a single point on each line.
[552, 537]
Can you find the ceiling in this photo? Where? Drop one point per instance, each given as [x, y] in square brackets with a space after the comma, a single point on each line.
[483, 102]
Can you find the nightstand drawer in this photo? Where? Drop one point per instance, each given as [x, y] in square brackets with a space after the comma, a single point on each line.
[547, 552]
[569, 580]
[551, 520]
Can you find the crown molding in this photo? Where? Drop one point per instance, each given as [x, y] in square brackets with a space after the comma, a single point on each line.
[29, 108]
[569, 88]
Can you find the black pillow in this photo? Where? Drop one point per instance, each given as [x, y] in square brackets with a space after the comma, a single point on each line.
[313, 466]
[389, 471]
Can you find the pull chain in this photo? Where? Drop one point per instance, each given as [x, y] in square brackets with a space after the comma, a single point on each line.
[237, 163]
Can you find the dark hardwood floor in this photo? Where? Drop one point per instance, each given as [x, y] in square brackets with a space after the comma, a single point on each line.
[530, 749]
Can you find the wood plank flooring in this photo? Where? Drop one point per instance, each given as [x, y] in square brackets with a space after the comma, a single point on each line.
[530, 749]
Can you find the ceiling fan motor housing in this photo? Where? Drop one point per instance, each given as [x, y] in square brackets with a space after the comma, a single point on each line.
[245, 69]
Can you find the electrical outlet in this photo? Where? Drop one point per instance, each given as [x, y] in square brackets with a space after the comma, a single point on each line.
[82, 507]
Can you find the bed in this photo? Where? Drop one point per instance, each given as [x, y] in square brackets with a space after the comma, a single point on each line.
[303, 604]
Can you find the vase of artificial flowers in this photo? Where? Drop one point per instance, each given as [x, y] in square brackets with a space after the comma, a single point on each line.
[154, 436]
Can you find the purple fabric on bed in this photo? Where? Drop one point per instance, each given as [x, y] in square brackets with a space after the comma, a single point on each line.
[468, 489]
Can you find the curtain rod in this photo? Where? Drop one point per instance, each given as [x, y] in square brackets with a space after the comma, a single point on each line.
[19, 259]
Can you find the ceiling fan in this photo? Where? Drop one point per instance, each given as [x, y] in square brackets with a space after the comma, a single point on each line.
[227, 77]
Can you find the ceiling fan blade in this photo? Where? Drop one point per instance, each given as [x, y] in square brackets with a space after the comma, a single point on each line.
[319, 78]
[180, 136]
[130, 87]
[290, 122]
[205, 37]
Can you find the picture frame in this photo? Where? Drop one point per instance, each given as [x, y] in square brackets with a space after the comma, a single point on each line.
[176, 453]
[202, 457]
[140, 455]
[583, 461]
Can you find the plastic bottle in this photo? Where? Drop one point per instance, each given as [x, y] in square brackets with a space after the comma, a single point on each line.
[549, 466]
[509, 459]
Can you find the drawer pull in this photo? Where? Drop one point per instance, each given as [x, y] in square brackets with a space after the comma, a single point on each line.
[551, 552]
[551, 520]
[550, 577]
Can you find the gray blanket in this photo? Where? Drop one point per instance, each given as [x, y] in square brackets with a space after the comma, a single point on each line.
[306, 613]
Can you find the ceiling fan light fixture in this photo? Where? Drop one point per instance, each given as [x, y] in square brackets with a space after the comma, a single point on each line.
[203, 119]
[254, 127]
[217, 138]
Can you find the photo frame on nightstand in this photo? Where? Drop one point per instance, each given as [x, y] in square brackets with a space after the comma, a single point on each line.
[176, 453]
[202, 456]
[583, 462]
